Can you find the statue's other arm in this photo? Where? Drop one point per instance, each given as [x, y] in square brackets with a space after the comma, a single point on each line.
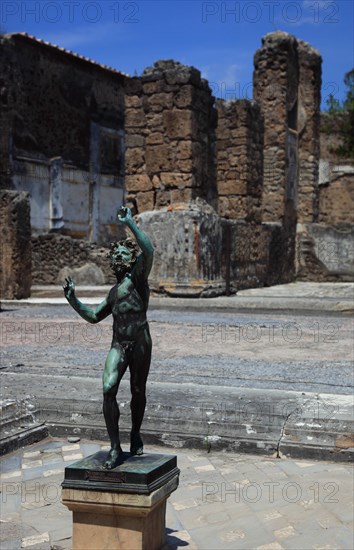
[144, 262]
[91, 315]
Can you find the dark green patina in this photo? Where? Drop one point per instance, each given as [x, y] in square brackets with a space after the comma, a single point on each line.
[137, 474]
[127, 301]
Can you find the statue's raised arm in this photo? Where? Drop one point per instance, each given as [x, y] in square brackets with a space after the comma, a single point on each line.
[144, 262]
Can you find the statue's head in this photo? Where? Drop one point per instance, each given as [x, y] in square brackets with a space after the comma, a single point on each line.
[123, 255]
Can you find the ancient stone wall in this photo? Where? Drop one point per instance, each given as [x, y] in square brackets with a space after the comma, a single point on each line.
[53, 97]
[309, 132]
[336, 180]
[275, 85]
[170, 122]
[15, 247]
[245, 254]
[325, 252]
[55, 256]
[337, 200]
[239, 148]
[62, 136]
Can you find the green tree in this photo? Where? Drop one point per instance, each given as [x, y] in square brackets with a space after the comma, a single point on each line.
[333, 105]
[349, 83]
[343, 117]
[347, 147]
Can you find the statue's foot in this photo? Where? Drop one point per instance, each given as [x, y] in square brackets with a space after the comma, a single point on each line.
[136, 444]
[114, 458]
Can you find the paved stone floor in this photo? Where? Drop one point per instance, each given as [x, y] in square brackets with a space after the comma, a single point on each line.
[224, 500]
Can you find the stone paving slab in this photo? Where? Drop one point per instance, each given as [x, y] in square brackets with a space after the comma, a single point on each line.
[224, 500]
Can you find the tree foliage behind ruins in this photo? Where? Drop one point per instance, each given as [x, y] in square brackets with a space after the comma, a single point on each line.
[339, 118]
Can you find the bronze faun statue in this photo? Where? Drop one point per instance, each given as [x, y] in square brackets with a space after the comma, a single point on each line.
[127, 301]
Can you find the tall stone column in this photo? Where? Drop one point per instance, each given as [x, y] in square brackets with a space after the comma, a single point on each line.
[169, 125]
[15, 246]
[275, 83]
[310, 63]
[276, 80]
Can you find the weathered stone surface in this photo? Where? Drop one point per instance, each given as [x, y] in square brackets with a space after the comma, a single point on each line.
[325, 252]
[234, 207]
[138, 182]
[337, 201]
[159, 158]
[145, 201]
[134, 159]
[178, 123]
[232, 187]
[134, 140]
[308, 122]
[184, 97]
[188, 246]
[15, 252]
[161, 101]
[134, 118]
[173, 179]
[133, 101]
[51, 253]
[88, 274]
[181, 196]
[155, 138]
[240, 157]
[276, 83]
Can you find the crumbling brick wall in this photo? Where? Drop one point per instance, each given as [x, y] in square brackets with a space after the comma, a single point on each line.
[15, 252]
[336, 189]
[325, 250]
[240, 136]
[169, 124]
[309, 132]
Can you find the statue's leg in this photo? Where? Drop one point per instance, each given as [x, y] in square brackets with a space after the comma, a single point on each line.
[139, 364]
[115, 367]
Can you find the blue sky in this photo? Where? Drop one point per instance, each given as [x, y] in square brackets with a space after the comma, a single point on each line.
[219, 38]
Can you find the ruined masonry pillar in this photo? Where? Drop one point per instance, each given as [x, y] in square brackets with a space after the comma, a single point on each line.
[169, 125]
[310, 63]
[275, 82]
[15, 247]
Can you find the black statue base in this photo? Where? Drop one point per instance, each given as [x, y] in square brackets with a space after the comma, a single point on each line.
[136, 474]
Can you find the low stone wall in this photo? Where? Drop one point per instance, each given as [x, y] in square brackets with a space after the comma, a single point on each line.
[245, 254]
[188, 250]
[15, 257]
[325, 252]
[56, 256]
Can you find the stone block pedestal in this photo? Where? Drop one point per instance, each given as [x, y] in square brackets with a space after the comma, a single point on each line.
[122, 508]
